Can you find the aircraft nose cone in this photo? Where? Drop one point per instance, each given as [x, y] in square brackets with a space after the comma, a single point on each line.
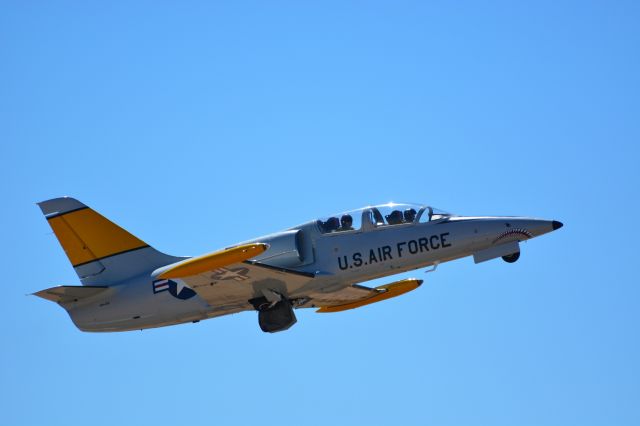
[556, 225]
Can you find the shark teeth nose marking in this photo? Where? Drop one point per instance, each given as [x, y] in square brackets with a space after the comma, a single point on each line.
[515, 231]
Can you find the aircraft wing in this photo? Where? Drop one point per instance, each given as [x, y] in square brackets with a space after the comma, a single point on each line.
[356, 296]
[227, 279]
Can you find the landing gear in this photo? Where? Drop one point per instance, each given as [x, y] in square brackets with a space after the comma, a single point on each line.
[510, 258]
[274, 315]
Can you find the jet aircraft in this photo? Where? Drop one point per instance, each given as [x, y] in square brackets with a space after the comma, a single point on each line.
[128, 285]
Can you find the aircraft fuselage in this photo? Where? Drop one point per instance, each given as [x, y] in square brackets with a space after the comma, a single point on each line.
[314, 265]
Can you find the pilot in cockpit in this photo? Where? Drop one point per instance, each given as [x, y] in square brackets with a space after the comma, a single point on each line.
[346, 222]
[409, 215]
[332, 224]
[394, 218]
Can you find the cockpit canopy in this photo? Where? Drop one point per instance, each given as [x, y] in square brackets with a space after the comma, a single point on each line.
[381, 215]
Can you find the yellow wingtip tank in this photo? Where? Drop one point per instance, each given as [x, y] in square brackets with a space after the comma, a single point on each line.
[208, 262]
[386, 291]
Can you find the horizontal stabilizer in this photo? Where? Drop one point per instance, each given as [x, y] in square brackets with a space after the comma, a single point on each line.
[378, 294]
[70, 293]
[209, 262]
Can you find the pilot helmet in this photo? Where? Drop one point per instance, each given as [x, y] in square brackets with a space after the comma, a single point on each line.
[409, 215]
[346, 220]
[394, 218]
[332, 224]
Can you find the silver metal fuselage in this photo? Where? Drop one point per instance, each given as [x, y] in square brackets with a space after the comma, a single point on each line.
[337, 259]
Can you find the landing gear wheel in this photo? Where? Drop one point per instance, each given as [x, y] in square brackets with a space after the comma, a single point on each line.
[277, 318]
[510, 258]
[273, 318]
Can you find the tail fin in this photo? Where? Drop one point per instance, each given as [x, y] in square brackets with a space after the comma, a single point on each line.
[100, 251]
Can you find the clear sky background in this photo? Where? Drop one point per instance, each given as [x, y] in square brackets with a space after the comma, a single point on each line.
[196, 125]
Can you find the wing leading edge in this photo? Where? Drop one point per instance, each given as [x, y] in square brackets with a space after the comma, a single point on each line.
[211, 261]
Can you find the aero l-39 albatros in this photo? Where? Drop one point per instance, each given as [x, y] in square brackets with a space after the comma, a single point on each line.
[128, 285]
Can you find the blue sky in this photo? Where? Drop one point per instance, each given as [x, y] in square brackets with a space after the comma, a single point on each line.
[199, 124]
